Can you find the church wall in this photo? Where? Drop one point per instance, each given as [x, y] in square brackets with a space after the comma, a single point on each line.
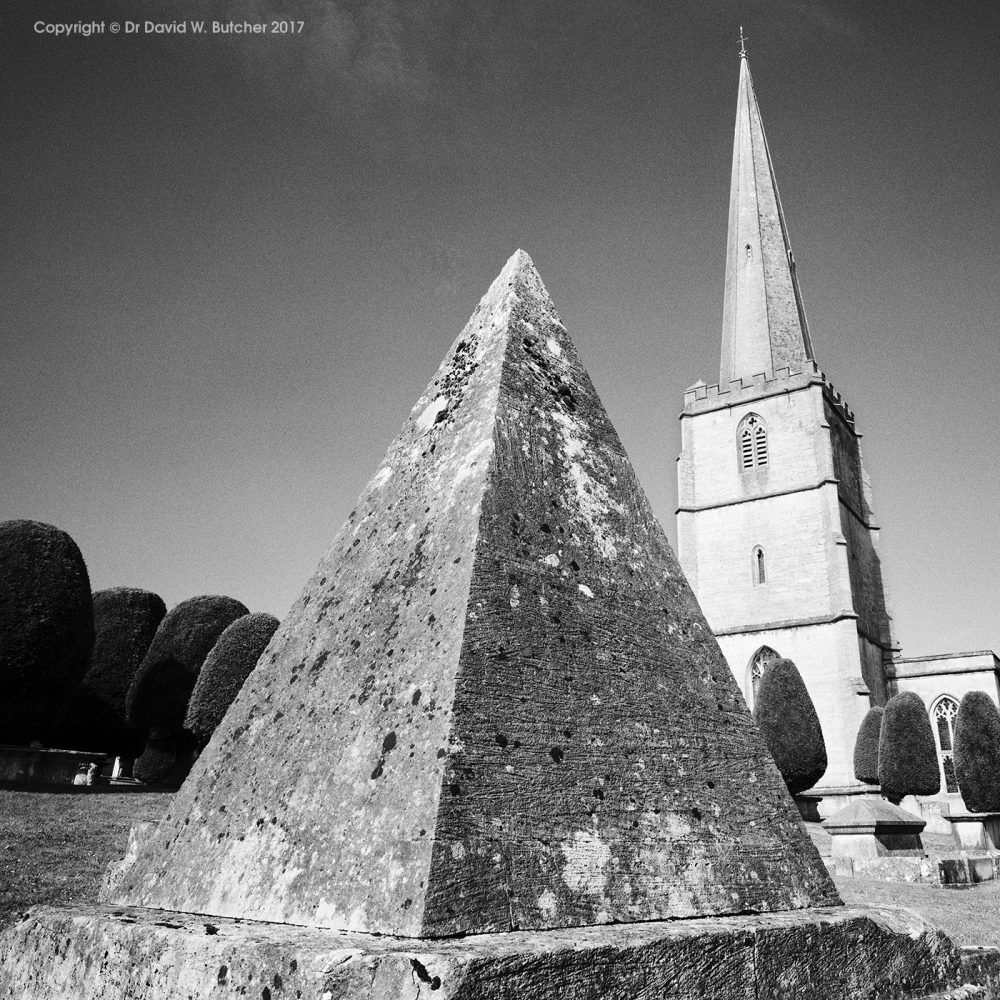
[827, 658]
[865, 570]
[798, 452]
[820, 559]
[956, 675]
[789, 508]
[931, 687]
[791, 530]
[873, 670]
[932, 678]
[846, 460]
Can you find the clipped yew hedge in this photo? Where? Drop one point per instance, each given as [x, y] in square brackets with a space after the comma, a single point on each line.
[158, 696]
[125, 621]
[866, 747]
[226, 667]
[46, 628]
[159, 763]
[907, 753]
[977, 752]
[788, 722]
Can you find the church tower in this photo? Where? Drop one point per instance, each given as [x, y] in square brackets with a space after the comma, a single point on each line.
[775, 526]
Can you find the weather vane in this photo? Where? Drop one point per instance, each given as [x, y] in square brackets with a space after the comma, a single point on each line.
[743, 44]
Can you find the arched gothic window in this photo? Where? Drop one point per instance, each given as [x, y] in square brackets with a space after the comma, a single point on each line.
[751, 442]
[943, 714]
[758, 664]
[757, 565]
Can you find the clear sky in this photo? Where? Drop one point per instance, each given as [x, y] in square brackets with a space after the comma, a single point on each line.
[232, 263]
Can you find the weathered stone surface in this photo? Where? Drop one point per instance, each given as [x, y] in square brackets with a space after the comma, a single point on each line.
[497, 704]
[103, 953]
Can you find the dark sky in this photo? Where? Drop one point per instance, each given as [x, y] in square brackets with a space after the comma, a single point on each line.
[231, 264]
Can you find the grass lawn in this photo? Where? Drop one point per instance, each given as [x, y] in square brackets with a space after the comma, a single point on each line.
[56, 845]
[967, 916]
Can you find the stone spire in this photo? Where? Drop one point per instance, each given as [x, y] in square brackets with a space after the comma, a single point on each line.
[764, 322]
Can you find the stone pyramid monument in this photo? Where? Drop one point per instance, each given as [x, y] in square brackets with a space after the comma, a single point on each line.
[495, 709]
[496, 704]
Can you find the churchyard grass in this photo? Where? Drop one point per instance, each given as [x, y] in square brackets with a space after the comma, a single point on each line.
[968, 916]
[56, 845]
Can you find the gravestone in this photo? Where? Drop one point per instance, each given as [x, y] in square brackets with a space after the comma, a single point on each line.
[495, 709]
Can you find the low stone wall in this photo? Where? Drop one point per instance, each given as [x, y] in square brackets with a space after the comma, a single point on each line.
[890, 869]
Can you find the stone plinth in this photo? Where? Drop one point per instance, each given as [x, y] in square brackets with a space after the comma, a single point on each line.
[106, 953]
[975, 831]
[871, 829]
[833, 798]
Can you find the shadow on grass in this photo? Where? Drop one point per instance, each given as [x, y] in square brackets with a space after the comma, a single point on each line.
[66, 789]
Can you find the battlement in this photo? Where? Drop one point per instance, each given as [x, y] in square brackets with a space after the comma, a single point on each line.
[701, 398]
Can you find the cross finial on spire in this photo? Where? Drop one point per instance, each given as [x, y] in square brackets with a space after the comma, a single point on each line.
[743, 44]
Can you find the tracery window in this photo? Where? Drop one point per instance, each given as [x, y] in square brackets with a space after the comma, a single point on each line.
[943, 717]
[758, 664]
[751, 438]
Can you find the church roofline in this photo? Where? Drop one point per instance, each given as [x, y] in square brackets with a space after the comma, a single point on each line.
[948, 656]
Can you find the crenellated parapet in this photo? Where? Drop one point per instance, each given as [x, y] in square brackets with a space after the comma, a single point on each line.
[700, 398]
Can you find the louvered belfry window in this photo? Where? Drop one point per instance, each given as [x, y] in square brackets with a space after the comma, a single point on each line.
[752, 446]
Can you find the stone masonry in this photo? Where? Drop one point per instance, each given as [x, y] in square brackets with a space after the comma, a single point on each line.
[493, 752]
[496, 704]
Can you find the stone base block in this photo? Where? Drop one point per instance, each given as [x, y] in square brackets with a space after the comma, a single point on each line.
[975, 831]
[968, 869]
[869, 829]
[102, 952]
